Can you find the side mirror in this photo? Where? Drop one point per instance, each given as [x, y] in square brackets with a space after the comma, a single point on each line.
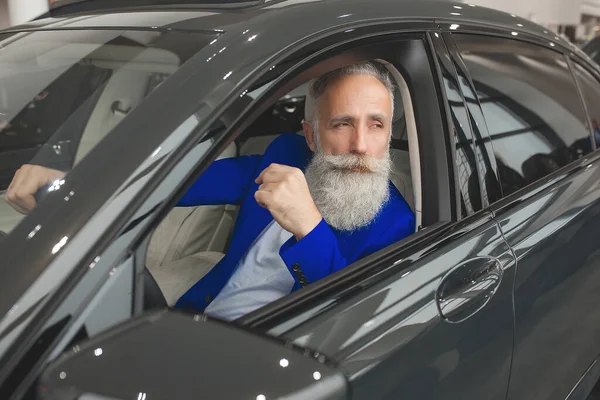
[170, 355]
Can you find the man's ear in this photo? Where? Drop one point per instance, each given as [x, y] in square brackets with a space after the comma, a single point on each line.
[309, 134]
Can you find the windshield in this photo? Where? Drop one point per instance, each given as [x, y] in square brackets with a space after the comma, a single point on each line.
[61, 92]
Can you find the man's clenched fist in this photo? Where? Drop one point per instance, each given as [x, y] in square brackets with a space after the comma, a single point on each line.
[284, 192]
[27, 180]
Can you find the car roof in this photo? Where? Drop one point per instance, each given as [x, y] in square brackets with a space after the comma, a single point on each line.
[223, 16]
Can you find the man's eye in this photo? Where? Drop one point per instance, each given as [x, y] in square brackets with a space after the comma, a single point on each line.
[340, 124]
[378, 126]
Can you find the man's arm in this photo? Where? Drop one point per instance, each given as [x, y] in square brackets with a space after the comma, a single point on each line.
[27, 181]
[313, 252]
[317, 255]
[225, 181]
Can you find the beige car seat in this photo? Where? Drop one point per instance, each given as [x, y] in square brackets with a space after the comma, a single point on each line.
[191, 240]
[190, 230]
[188, 243]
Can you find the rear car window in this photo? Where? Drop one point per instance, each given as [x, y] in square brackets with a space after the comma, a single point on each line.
[61, 92]
[536, 121]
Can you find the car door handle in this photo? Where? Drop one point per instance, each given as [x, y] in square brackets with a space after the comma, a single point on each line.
[467, 288]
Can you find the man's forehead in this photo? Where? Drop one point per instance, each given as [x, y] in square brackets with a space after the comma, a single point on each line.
[310, 107]
[356, 99]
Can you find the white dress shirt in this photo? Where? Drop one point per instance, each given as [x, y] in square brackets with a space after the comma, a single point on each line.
[260, 278]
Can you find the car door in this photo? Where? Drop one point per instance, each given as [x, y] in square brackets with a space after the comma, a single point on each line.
[549, 213]
[434, 319]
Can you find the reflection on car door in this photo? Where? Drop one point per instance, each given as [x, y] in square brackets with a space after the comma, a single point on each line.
[537, 125]
[392, 339]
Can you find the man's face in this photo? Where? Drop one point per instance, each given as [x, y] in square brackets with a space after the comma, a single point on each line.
[348, 176]
[354, 116]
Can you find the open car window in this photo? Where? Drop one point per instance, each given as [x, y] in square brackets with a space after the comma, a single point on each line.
[191, 240]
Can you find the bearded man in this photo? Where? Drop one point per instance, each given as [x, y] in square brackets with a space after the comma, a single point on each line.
[310, 205]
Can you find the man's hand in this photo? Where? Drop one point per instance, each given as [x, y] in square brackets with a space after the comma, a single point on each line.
[27, 180]
[284, 192]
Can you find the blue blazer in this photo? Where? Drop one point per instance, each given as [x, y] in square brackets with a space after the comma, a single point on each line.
[323, 251]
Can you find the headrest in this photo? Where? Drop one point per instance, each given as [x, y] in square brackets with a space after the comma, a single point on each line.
[310, 106]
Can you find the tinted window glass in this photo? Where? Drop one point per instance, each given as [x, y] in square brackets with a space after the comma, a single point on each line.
[591, 93]
[62, 92]
[534, 115]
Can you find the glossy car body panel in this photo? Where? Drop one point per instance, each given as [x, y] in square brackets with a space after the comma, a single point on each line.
[170, 347]
[556, 291]
[390, 337]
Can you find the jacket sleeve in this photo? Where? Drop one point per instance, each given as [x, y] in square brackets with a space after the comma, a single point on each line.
[314, 256]
[225, 181]
[318, 255]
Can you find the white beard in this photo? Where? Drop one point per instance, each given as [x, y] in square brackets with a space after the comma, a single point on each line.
[347, 199]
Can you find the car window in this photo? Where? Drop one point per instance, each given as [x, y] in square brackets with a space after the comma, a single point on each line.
[61, 92]
[590, 88]
[534, 115]
[203, 229]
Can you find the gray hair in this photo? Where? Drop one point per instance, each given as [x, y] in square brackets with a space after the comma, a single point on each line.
[318, 86]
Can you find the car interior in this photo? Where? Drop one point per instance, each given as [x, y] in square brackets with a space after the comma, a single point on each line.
[191, 240]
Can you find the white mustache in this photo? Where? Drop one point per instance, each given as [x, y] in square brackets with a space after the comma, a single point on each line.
[362, 163]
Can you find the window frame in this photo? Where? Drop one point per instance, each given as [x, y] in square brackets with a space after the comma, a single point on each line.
[354, 49]
[369, 268]
[447, 65]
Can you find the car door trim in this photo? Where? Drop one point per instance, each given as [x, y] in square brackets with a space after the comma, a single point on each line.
[471, 27]
[586, 383]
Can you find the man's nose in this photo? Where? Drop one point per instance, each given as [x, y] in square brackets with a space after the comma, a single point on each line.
[359, 141]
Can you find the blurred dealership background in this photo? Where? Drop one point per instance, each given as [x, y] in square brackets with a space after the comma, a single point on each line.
[578, 20]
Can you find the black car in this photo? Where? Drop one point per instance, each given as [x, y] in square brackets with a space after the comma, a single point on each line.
[495, 296]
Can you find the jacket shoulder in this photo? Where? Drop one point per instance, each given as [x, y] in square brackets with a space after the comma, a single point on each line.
[289, 149]
[397, 211]
[288, 141]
